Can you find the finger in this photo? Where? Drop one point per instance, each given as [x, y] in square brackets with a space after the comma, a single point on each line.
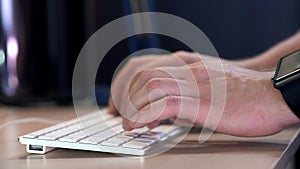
[188, 57]
[119, 82]
[157, 88]
[168, 107]
[153, 124]
[149, 61]
[153, 76]
[180, 81]
[142, 77]
[111, 107]
[184, 122]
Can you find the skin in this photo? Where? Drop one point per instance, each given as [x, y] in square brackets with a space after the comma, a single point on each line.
[150, 89]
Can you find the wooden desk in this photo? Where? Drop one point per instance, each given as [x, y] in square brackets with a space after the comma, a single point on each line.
[221, 151]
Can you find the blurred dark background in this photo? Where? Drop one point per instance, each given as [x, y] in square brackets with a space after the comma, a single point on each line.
[41, 39]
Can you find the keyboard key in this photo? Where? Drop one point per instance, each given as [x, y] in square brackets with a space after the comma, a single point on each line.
[135, 145]
[75, 137]
[124, 137]
[140, 130]
[142, 138]
[93, 140]
[48, 130]
[115, 142]
[94, 129]
[153, 135]
[130, 134]
[50, 137]
[164, 128]
[32, 135]
[60, 133]
[97, 138]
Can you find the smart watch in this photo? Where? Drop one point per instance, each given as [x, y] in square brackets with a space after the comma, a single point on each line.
[287, 80]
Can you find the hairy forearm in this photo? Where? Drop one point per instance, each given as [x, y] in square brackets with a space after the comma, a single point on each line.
[268, 59]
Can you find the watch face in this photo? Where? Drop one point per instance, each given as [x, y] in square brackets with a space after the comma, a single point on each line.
[288, 66]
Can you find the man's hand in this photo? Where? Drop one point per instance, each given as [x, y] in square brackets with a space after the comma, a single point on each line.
[150, 89]
[137, 64]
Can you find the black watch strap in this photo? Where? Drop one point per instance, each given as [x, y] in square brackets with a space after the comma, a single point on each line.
[291, 95]
[287, 80]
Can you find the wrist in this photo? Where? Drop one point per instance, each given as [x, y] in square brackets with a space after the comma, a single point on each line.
[274, 110]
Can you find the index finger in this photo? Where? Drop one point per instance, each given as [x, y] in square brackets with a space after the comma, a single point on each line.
[185, 108]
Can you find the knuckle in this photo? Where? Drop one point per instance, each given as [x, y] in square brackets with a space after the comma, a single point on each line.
[141, 75]
[172, 100]
[200, 69]
[153, 83]
[181, 53]
[200, 73]
[145, 109]
[146, 72]
[188, 57]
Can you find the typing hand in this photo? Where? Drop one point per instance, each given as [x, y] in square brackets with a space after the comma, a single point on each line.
[137, 64]
[153, 89]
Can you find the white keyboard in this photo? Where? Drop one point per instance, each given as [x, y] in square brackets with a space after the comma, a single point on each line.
[99, 132]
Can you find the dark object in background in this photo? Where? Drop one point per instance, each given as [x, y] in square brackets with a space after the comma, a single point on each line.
[39, 44]
[45, 37]
[41, 39]
[25, 64]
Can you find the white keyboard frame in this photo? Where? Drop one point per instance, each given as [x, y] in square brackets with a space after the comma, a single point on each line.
[39, 146]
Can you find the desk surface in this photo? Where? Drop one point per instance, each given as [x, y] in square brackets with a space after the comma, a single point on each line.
[221, 151]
